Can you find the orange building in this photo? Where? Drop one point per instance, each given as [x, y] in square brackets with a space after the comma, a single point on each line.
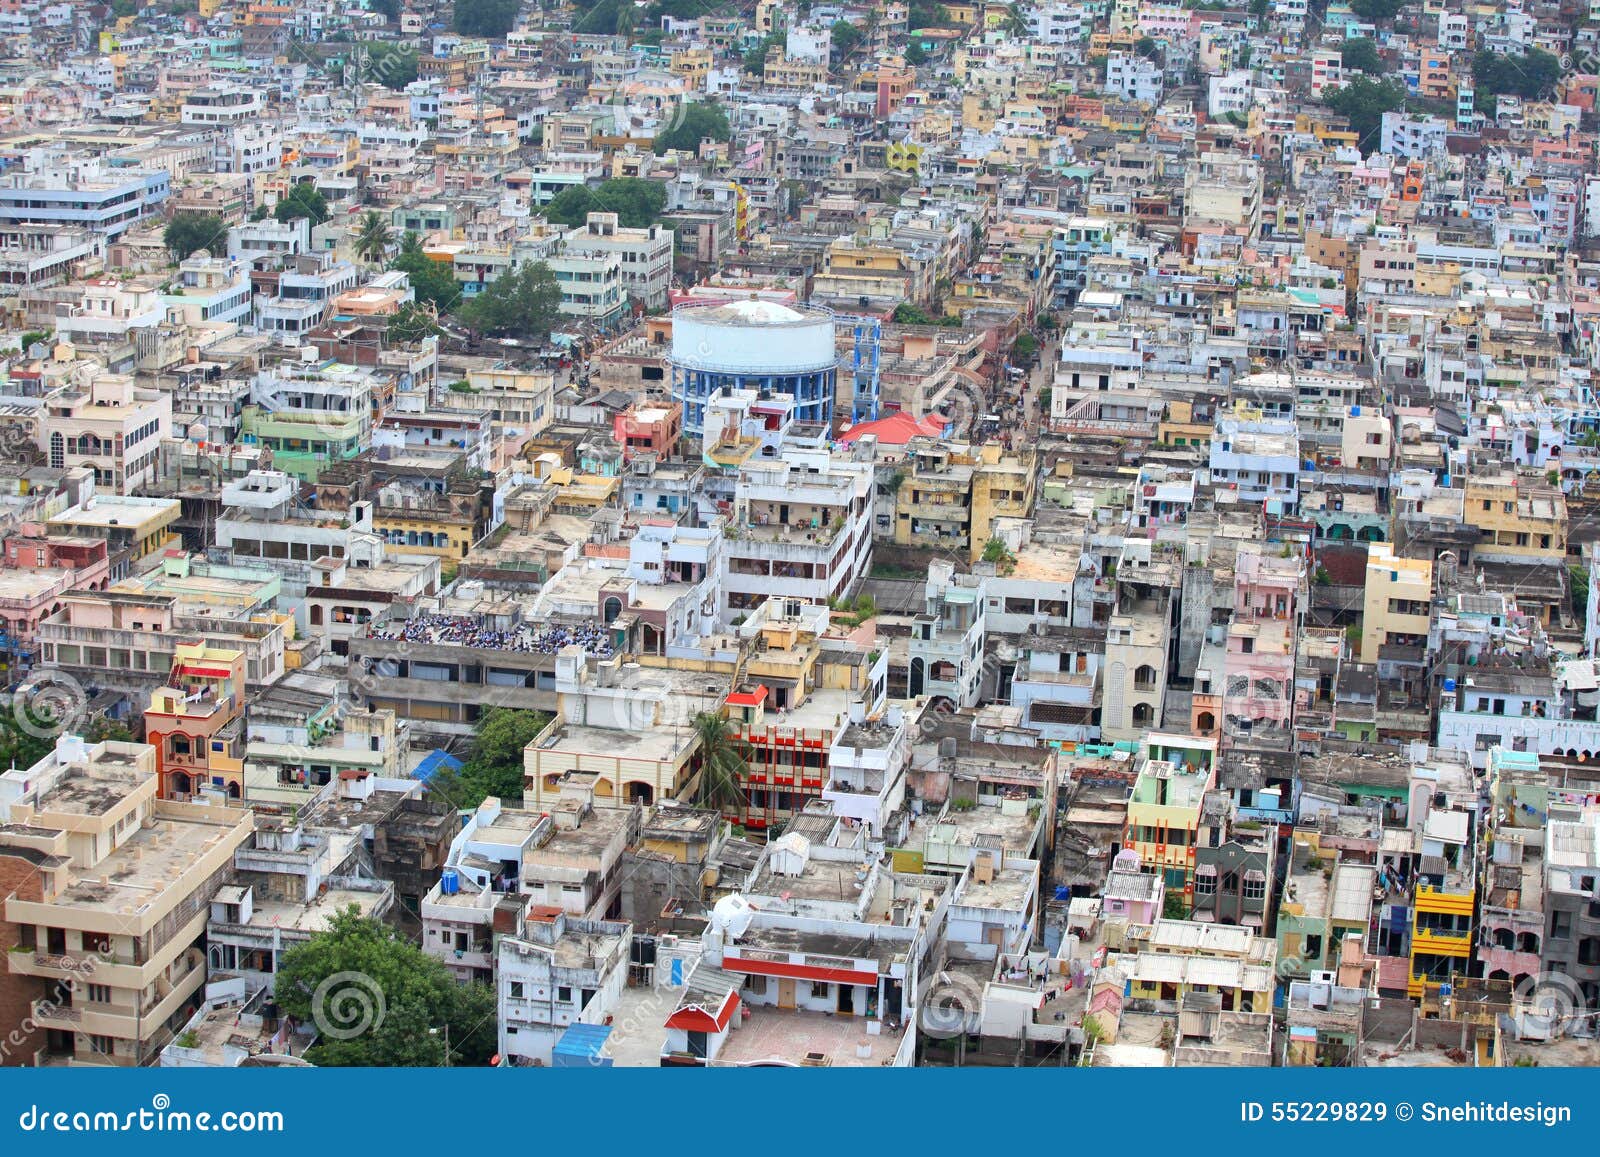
[196, 723]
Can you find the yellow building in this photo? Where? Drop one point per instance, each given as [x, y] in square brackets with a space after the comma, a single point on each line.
[108, 902]
[1399, 594]
[1002, 487]
[1170, 959]
[933, 505]
[1164, 810]
[1517, 518]
[1178, 427]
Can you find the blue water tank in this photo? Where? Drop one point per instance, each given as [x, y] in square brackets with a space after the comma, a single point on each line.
[1449, 685]
[1355, 411]
[449, 882]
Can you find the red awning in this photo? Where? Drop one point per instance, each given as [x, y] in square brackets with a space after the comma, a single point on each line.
[698, 1019]
[205, 672]
[798, 971]
[748, 698]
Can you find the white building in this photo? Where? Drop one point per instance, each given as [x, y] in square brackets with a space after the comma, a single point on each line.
[947, 639]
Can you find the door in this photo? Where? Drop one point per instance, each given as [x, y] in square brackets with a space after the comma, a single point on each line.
[785, 993]
[847, 1000]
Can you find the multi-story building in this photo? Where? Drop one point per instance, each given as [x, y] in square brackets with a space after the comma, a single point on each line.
[1398, 602]
[195, 723]
[801, 527]
[112, 426]
[107, 892]
[946, 656]
[553, 971]
[1164, 811]
[645, 255]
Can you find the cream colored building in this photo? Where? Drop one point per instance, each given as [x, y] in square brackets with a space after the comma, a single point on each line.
[1398, 598]
[108, 890]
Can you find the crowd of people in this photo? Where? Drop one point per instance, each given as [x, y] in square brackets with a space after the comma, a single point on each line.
[469, 631]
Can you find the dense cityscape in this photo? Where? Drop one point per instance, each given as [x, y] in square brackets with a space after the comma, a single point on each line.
[700, 533]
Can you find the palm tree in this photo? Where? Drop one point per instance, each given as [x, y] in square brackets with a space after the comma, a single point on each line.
[374, 238]
[721, 764]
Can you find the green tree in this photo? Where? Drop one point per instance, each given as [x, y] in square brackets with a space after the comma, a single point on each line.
[1024, 349]
[487, 18]
[846, 37]
[104, 729]
[523, 303]
[373, 238]
[1016, 22]
[1578, 589]
[1533, 75]
[302, 201]
[391, 65]
[1174, 907]
[122, 9]
[388, 9]
[494, 762]
[1363, 102]
[722, 764]
[697, 121]
[1360, 55]
[1259, 8]
[378, 1000]
[915, 54]
[908, 314]
[410, 323]
[431, 281]
[1376, 11]
[1147, 48]
[927, 14]
[636, 202]
[755, 58]
[188, 233]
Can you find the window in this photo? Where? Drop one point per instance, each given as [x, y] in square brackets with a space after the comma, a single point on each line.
[1313, 948]
[99, 994]
[1205, 883]
[1230, 882]
[516, 990]
[564, 994]
[819, 991]
[1255, 887]
[1561, 925]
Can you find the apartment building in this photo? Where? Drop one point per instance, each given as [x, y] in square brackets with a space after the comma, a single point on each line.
[107, 892]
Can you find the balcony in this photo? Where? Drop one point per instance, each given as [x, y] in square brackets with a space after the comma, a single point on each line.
[1441, 942]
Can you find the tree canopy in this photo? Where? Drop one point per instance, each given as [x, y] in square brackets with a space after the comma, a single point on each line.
[1376, 11]
[695, 122]
[1360, 55]
[391, 65]
[494, 763]
[410, 323]
[636, 202]
[488, 18]
[845, 37]
[188, 233]
[431, 281]
[1531, 75]
[722, 764]
[1364, 101]
[302, 201]
[522, 303]
[379, 1000]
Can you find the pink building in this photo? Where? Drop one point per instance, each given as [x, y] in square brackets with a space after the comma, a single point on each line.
[649, 428]
[35, 572]
[1258, 682]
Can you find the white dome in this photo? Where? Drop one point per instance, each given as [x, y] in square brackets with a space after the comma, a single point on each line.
[757, 312]
[732, 915]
